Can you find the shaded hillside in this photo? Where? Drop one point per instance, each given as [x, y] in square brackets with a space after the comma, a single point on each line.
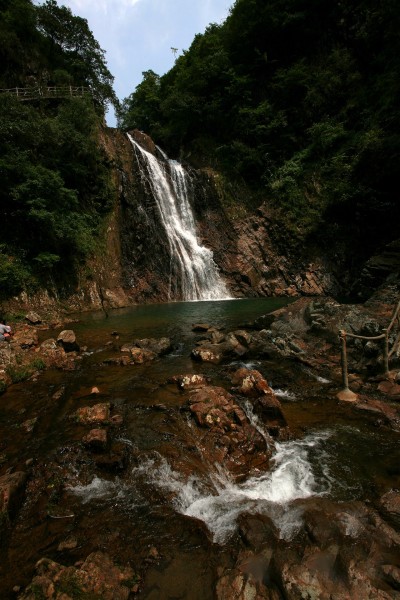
[299, 100]
[56, 185]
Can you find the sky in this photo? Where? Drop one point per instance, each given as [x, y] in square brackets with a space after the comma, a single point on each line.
[137, 35]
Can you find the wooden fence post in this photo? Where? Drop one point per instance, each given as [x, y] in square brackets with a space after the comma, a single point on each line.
[386, 352]
[345, 394]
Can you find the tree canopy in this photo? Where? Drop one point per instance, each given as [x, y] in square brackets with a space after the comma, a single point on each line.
[55, 178]
[298, 98]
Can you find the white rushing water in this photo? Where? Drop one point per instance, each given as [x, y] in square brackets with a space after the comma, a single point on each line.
[193, 272]
[218, 501]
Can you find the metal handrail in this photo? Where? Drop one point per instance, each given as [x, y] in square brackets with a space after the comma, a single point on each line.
[346, 393]
[34, 93]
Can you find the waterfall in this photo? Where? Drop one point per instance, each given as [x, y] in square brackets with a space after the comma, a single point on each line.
[193, 272]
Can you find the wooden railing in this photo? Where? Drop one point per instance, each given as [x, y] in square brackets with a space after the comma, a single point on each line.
[37, 93]
[346, 393]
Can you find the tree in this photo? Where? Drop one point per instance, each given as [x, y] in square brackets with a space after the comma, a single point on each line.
[141, 110]
[73, 46]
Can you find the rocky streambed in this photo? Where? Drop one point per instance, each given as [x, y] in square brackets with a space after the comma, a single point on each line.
[199, 451]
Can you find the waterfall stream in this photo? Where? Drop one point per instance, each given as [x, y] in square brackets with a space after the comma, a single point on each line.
[193, 272]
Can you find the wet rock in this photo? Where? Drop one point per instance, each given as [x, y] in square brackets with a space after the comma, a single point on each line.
[116, 420]
[243, 337]
[191, 381]
[265, 321]
[262, 345]
[127, 347]
[11, 492]
[55, 356]
[247, 581]
[122, 361]
[392, 575]
[209, 354]
[250, 383]
[29, 425]
[159, 346]
[116, 460]
[390, 388]
[257, 531]
[201, 327]
[96, 440]
[67, 339]
[390, 505]
[228, 436]
[142, 355]
[99, 413]
[33, 318]
[215, 336]
[97, 577]
[69, 544]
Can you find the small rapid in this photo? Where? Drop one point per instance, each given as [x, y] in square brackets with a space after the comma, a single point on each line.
[218, 501]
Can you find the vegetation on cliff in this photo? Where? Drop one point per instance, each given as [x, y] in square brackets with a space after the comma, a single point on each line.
[300, 99]
[55, 178]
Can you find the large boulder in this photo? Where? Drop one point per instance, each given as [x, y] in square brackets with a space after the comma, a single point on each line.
[225, 434]
[67, 339]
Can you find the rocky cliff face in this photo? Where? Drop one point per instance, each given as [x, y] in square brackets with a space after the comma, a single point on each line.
[253, 252]
[249, 250]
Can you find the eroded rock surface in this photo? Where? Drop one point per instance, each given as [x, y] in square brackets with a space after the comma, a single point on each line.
[225, 434]
[98, 577]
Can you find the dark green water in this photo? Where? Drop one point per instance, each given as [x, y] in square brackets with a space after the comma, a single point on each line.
[173, 319]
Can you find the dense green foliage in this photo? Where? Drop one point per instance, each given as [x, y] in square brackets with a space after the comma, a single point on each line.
[55, 179]
[300, 99]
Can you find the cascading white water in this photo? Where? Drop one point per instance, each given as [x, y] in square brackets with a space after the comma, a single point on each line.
[193, 271]
[218, 501]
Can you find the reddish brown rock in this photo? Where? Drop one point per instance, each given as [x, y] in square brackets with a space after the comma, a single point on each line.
[190, 381]
[141, 355]
[33, 318]
[97, 577]
[96, 439]
[390, 505]
[25, 337]
[157, 346]
[390, 388]
[201, 327]
[251, 383]
[67, 339]
[207, 354]
[49, 344]
[225, 434]
[266, 405]
[99, 413]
